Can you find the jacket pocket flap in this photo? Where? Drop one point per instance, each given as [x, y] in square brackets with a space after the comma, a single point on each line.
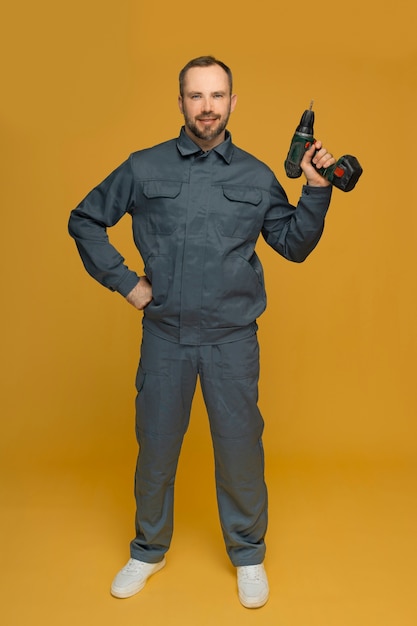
[239, 194]
[161, 189]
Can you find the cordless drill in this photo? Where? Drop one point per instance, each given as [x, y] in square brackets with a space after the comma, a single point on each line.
[344, 174]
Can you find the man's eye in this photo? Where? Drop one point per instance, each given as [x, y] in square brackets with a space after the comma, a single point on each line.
[195, 96]
[218, 95]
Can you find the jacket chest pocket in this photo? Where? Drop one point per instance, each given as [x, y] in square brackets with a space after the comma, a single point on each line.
[241, 215]
[163, 211]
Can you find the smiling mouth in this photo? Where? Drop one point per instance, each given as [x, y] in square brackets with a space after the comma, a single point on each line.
[207, 119]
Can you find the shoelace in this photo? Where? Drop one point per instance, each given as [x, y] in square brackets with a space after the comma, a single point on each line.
[251, 572]
[132, 566]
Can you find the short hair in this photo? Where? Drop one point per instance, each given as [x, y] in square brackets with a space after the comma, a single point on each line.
[205, 61]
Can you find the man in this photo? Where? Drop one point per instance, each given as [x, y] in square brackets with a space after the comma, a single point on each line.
[198, 204]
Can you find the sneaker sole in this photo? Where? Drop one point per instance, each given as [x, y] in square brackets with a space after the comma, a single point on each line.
[253, 604]
[127, 594]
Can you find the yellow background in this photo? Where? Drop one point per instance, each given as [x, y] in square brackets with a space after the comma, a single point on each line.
[83, 85]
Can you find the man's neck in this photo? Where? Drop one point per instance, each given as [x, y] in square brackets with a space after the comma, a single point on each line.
[208, 144]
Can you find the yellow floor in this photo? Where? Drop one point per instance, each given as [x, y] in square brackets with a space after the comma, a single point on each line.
[342, 548]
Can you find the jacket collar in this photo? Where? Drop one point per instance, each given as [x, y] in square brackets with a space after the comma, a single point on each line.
[186, 146]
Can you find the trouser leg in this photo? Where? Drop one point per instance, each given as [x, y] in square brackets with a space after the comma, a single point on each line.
[162, 416]
[229, 380]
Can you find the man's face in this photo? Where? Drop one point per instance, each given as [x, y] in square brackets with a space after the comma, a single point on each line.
[206, 105]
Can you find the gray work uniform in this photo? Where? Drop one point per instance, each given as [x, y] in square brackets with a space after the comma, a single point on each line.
[196, 217]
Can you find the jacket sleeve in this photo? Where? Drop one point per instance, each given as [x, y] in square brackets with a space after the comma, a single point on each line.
[103, 207]
[295, 231]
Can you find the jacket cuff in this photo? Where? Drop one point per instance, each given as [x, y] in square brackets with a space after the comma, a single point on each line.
[128, 283]
[308, 190]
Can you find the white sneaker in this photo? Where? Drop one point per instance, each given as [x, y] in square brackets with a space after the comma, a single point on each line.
[133, 576]
[253, 585]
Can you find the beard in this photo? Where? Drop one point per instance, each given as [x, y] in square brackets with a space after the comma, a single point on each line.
[207, 134]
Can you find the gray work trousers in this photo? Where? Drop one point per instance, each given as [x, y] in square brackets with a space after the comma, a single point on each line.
[166, 382]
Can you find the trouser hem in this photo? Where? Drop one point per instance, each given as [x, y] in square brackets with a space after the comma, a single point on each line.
[145, 557]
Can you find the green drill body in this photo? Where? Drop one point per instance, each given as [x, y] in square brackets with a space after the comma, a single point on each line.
[344, 174]
[302, 140]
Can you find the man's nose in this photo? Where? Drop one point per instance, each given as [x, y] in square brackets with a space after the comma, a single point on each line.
[207, 105]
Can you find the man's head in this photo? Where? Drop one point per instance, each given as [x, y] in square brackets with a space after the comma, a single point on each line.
[206, 61]
[206, 100]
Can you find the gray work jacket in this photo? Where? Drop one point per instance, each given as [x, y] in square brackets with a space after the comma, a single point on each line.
[196, 218]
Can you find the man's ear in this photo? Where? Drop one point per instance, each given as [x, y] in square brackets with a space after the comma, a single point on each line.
[180, 104]
[233, 102]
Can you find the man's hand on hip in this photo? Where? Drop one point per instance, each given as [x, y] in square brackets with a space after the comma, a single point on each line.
[141, 295]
